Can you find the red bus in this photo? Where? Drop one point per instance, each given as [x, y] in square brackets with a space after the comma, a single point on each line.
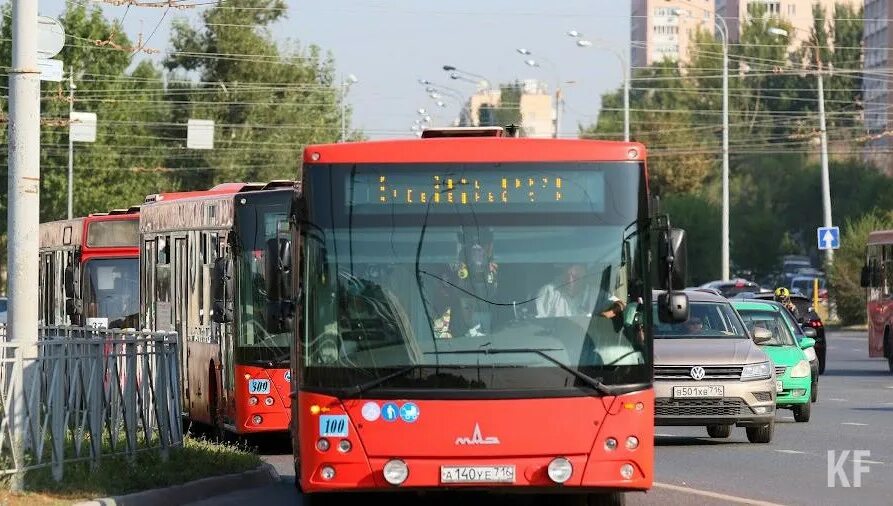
[89, 270]
[475, 312]
[210, 270]
[877, 276]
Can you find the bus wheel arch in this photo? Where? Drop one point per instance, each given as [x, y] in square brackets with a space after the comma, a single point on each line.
[214, 400]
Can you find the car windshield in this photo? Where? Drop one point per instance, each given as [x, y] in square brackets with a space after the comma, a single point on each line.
[262, 332]
[731, 290]
[806, 285]
[432, 265]
[706, 320]
[2, 305]
[773, 321]
[112, 292]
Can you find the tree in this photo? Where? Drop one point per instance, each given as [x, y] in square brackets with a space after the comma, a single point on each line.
[267, 102]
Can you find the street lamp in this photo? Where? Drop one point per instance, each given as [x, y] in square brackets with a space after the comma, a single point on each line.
[723, 29]
[624, 71]
[530, 62]
[823, 133]
[345, 86]
[459, 74]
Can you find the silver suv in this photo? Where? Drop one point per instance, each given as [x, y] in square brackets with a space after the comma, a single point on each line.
[709, 372]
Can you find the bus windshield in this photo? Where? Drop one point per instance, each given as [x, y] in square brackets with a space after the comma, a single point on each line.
[262, 334]
[468, 273]
[112, 292]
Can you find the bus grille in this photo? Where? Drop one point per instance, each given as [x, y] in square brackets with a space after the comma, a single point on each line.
[683, 372]
[729, 406]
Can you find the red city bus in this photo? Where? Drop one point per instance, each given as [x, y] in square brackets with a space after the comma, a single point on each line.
[89, 270]
[877, 276]
[211, 270]
[475, 312]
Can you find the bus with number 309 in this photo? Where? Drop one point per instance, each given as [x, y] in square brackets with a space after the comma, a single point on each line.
[474, 311]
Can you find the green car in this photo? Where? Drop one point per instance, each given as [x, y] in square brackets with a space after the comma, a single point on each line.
[792, 370]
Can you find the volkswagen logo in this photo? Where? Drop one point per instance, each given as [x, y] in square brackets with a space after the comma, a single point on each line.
[697, 373]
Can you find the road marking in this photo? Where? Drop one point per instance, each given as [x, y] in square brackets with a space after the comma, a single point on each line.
[664, 435]
[872, 462]
[713, 495]
[796, 452]
[836, 399]
[890, 387]
[857, 424]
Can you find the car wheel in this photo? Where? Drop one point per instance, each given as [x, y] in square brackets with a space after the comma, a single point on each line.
[815, 392]
[761, 434]
[802, 411]
[719, 431]
[822, 363]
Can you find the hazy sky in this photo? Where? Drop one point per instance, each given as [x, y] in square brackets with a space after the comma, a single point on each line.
[390, 44]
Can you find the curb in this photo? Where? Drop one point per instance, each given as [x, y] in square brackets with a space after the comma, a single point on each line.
[193, 491]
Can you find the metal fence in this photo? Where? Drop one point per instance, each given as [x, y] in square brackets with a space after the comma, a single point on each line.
[80, 394]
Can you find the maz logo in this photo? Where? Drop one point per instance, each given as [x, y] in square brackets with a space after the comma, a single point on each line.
[477, 439]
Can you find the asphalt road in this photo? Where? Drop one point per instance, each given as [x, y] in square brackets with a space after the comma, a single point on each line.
[854, 412]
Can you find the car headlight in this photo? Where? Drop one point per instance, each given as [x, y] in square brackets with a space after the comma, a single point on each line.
[801, 370]
[763, 370]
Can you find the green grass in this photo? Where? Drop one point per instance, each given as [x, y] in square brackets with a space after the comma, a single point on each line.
[198, 458]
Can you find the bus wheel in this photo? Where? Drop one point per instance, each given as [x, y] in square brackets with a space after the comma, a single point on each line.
[606, 499]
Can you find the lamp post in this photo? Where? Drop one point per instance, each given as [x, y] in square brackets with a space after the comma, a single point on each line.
[459, 74]
[723, 29]
[823, 135]
[345, 86]
[624, 72]
[530, 62]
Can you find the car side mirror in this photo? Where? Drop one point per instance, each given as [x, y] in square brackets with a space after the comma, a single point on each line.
[809, 332]
[673, 307]
[806, 342]
[761, 335]
[865, 277]
[222, 289]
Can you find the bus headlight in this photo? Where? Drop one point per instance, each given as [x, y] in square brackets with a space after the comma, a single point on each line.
[344, 446]
[322, 445]
[252, 401]
[327, 473]
[257, 419]
[610, 444]
[268, 401]
[632, 443]
[801, 370]
[560, 470]
[626, 471]
[395, 472]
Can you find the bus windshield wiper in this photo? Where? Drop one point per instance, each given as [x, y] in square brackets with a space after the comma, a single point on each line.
[594, 383]
[369, 385]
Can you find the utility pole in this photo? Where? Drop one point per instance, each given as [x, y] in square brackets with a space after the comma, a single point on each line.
[23, 215]
[826, 180]
[71, 88]
[725, 152]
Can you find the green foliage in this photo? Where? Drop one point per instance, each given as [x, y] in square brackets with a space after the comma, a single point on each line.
[844, 275]
[701, 220]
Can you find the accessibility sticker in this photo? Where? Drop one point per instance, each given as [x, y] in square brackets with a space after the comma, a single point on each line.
[409, 412]
[390, 412]
[371, 411]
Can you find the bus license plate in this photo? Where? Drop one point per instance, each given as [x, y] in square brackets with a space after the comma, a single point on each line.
[706, 391]
[258, 386]
[477, 474]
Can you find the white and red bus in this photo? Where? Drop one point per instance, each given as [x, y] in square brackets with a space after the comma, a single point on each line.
[212, 271]
[877, 277]
[475, 312]
[89, 270]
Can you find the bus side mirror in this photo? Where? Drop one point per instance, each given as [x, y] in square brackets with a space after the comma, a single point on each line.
[222, 288]
[673, 259]
[672, 307]
[73, 304]
[865, 277]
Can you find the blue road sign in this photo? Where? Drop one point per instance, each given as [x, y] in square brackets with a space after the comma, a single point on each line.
[829, 237]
